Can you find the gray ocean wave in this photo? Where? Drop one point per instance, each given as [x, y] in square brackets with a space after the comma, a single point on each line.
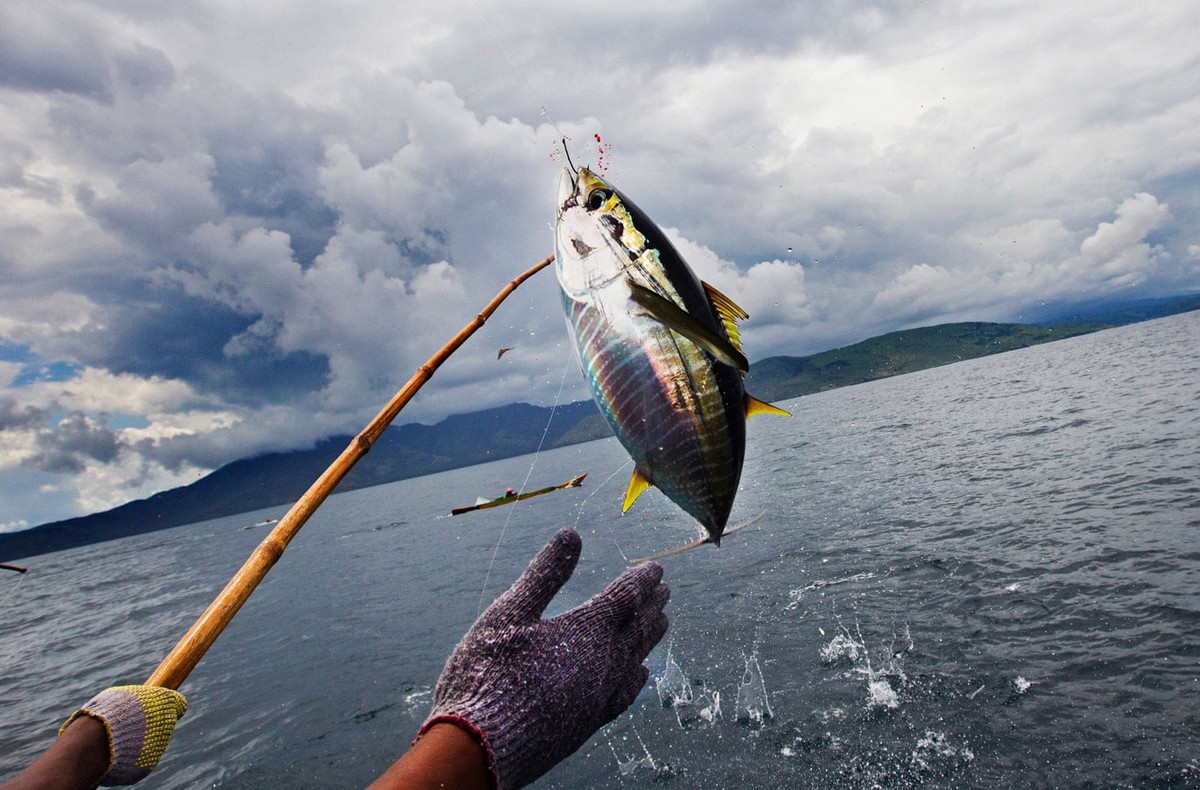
[982, 575]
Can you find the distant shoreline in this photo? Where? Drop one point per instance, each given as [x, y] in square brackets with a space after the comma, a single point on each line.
[413, 450]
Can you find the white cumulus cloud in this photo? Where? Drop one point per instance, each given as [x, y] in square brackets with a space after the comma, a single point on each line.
[227, 228]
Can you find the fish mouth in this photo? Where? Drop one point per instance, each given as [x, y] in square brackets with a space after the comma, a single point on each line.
[566, 191]
[574, 187]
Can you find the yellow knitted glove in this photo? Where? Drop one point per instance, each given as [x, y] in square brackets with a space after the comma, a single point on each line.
[139, 721]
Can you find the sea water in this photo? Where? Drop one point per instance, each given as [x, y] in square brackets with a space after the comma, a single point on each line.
[981, 575]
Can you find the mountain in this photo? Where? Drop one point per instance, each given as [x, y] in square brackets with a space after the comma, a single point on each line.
[280, 478]
[896, 353]
[1120, 312]
[466, 439]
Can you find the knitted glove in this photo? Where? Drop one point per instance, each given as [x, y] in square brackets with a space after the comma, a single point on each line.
[532, 690]
[139, 721]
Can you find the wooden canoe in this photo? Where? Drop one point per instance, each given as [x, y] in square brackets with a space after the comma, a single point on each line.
[572, 483]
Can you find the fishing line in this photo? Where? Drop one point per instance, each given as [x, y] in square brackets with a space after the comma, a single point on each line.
[566, 369]
[579, 512]
[524, 485]
[562, 138]
[14, 588]
[513, 64]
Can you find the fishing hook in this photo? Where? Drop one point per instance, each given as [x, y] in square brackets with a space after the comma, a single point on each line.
[567, 153]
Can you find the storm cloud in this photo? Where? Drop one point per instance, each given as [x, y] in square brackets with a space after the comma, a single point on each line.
[231, 229]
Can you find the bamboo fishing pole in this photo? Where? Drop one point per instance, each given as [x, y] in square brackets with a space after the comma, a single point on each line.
[187, 653]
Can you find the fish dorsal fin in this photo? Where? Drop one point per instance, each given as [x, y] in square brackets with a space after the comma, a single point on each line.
[674, 317]
[728, 312]
[755, 406]
[637, 484]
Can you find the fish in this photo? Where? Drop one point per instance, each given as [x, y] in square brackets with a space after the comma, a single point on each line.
[659, 348]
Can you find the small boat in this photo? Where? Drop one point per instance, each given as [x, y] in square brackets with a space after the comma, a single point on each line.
[507, 500]
[266, 523]
[17, 568]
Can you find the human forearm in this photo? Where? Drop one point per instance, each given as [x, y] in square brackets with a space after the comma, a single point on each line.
[76, 759]
[445, 756]
[116, 738]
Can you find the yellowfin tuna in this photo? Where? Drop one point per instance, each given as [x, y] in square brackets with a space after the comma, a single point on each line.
[659, 348]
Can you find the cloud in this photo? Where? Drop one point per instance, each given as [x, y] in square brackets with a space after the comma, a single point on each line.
[46, 47]
[154, 203]
[1117, 251]
[227, 229]
[74, 439]
[772, 292]
[1030, 264]
[15, 416]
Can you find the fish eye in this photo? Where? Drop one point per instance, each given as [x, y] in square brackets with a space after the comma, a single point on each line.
[597, 199]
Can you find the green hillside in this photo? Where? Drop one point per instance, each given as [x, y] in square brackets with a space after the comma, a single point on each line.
[896, 353]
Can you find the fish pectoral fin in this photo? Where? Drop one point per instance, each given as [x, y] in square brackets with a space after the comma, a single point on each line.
[637, 484]
[677, 319]
[755, 406]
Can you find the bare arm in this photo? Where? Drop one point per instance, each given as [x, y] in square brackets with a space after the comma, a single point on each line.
[117, 737]
[76, 759]
[445, 756]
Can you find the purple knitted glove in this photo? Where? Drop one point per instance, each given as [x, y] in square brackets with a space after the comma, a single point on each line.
[535, 690]
[139, 721]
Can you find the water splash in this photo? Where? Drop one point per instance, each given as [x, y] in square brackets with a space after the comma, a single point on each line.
[934, 751]
[694, 705]
[880, 694]
[841, 646]
[712, 712]
[753, 706]
[418, 699]
[628, 766]
[639, 760]
[673, 687]
[798, 594]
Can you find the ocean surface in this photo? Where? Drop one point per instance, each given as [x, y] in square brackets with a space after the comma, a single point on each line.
[982, 575]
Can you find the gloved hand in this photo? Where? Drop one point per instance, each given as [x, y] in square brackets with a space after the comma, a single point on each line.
[139, 720]
[532, 690]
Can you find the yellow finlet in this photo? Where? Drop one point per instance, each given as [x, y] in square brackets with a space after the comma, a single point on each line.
[637, 484]
[728, 312]
[755, 406]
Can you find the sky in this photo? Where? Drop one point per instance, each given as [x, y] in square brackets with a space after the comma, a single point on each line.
[229, 228]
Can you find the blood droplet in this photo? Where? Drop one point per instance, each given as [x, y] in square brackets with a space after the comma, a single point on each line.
[601, 164]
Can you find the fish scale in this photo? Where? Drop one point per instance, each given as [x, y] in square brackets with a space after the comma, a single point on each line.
[658, 348]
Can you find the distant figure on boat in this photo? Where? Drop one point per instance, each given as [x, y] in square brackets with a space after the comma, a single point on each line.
[510, 495]
[550, 685]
